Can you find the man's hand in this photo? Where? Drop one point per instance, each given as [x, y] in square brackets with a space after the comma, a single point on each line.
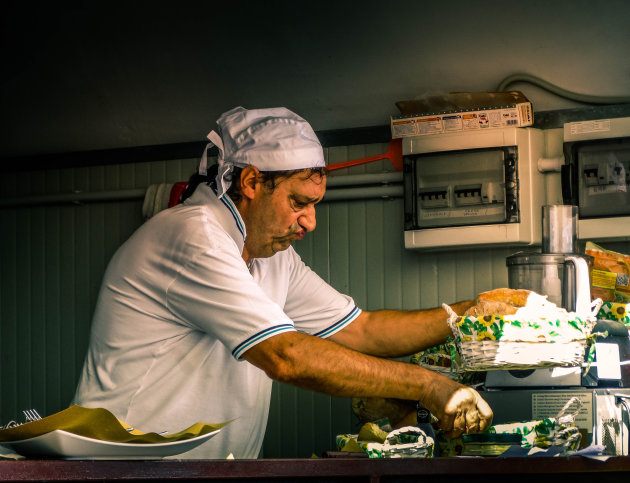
[464, 411]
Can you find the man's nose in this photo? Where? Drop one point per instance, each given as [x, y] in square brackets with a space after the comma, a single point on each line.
[307, 219]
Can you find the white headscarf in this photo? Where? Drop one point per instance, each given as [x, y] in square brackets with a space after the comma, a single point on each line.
[273, 139]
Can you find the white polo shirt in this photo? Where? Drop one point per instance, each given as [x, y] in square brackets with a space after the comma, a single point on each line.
[177, 309]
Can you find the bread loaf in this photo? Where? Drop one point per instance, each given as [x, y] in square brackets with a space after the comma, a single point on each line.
[490, 307]
[515, 297]
[500, 301]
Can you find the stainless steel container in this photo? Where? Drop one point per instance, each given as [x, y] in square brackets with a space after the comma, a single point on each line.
[559, 228]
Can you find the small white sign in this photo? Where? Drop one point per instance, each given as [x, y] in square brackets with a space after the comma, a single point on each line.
[608, 364]
[549, 403]
[581, 127]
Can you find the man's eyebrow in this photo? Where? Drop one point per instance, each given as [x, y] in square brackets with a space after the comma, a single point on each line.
[305, 199]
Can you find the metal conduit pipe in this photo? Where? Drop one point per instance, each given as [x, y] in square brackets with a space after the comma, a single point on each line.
[74, 198]
[390, 188]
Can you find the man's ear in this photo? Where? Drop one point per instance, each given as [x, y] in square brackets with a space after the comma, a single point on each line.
[248, 180]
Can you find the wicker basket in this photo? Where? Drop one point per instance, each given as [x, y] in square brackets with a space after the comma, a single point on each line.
[443, 359]
[500, 342]
[486, 355]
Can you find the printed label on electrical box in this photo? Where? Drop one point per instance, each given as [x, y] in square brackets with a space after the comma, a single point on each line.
[405, 127]
[452, 122]
[460, 213]
[429, 125]
[549, 404]
[590, 126]
[519, 115]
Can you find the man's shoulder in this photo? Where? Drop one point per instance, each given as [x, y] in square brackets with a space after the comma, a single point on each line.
[191, 225]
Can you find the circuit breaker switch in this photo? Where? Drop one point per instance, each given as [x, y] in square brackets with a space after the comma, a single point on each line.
[467, 194]
[492, 192]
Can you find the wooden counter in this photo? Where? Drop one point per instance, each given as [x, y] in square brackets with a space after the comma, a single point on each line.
[506, 470]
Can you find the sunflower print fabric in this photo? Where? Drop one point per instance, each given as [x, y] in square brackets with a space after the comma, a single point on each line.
[615, 311]
[504, 328]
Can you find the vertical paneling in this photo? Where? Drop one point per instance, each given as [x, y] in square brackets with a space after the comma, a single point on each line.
[51, 264]
[34, 330]
[8, 300]
[69, 322]
[357, 251]
[83, 307]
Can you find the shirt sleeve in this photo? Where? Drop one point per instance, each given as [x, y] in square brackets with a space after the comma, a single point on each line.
[215, 293]
[315, 307]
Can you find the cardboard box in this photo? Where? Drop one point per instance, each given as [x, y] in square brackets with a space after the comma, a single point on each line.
[462, 112]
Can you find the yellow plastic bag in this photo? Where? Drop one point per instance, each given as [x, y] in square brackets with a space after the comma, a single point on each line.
[610, 275]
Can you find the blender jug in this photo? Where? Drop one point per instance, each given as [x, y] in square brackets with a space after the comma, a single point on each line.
[564, 278]
[557, 272]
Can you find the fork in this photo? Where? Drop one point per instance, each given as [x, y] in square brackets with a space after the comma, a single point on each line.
[31, 415]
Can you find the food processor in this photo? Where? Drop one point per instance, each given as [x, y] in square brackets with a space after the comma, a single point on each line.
[558, 271]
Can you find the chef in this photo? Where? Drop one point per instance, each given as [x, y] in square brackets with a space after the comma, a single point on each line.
[208, 302]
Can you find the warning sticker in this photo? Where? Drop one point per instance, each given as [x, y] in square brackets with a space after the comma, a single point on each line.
[549, 404]
[452, 122]
[471, 122]
[404, 128]
[603, 279]
[430, 125]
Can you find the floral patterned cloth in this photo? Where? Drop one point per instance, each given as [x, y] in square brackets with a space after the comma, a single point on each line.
[407, 442]
[500, 327]
[615, 311]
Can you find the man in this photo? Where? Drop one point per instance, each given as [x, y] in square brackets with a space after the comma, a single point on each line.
[207, 303]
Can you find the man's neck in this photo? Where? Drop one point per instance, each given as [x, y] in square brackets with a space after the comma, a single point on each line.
[246, 257]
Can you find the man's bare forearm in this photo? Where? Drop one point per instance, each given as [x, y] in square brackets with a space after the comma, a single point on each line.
[353, 363]
[396, 333]
[324, 366]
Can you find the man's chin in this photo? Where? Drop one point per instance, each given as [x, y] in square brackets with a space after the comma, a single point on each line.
[281, 246]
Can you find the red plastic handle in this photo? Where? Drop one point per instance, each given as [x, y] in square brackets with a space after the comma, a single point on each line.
[394, 154]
